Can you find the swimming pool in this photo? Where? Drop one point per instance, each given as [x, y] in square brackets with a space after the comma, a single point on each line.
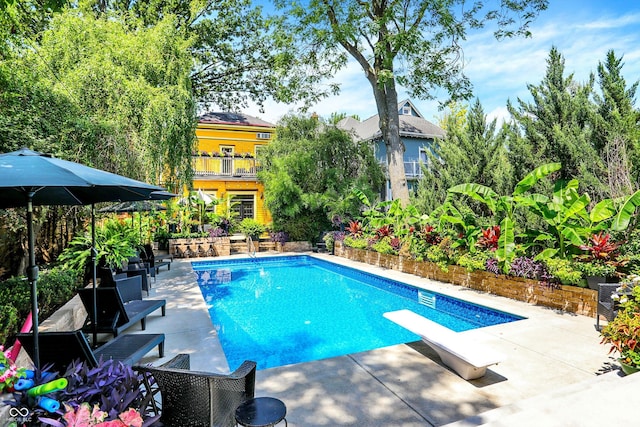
[290, 309]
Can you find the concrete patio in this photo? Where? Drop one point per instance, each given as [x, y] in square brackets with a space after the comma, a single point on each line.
[556, 372]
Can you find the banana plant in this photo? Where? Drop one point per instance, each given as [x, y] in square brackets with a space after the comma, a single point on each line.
[505, 205]
[469, 231]
[388, 213]
[626, 212]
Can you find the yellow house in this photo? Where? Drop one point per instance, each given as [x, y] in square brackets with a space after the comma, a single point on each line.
[228, 160]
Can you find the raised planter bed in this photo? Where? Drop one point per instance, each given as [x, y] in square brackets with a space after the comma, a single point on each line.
[571, 299]
[296, 246]
[199, 247]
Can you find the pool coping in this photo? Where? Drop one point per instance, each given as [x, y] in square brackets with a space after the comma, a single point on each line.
[407, 385]
[464, 315]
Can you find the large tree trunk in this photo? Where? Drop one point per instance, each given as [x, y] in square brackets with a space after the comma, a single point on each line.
[387, 102]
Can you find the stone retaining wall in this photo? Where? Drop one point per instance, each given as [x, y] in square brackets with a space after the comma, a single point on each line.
[572, 299]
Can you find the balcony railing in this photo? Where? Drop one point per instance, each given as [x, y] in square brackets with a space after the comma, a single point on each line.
[241, 167]
[412, 169]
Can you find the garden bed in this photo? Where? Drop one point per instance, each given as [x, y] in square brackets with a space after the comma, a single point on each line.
[571, 299]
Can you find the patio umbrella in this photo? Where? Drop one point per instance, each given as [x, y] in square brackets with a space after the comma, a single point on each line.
[138, 206]
[29, 178]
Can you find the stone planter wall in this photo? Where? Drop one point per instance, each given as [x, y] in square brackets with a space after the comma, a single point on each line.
[297, 246]
[224, 246]
[572, 299]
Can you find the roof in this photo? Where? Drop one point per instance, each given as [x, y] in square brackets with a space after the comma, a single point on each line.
[226, 118]
[411, 125]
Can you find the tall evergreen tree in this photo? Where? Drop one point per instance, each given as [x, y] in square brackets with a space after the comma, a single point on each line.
[472, 151]
[617, 135]
[556, 127]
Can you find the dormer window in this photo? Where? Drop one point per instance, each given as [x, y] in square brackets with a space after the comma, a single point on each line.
[406, 110]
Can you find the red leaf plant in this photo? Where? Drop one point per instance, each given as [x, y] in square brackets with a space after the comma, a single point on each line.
[431, 236]
[384, 231]
[600, 247]
[355, 228]
[489, 238]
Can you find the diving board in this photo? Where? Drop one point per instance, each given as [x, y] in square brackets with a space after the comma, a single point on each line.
[466, 356]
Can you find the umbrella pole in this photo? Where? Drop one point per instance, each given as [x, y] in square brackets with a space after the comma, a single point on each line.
[95, 275]
[32, 276]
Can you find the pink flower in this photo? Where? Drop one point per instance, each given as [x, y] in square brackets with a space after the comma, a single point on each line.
[131, 418]
[113, 423]
[84, 416]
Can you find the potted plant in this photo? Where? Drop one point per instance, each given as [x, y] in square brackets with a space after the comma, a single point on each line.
[330, 239]
[108, 395]
[600, 259]
[623, 332]
[279, 238]
[251, 228]
[595, 272]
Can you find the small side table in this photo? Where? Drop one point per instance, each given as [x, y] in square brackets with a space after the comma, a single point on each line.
[261, 412]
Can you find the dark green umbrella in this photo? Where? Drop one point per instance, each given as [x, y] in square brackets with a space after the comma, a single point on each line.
[29, 178]
[139, 206]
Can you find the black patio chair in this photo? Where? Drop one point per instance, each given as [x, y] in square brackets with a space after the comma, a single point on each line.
[606, 306]
[197, 399]
[61, 348]
[118, 308]
[154, 260]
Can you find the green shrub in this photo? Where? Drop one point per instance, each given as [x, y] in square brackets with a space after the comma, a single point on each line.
[475, 261]
[438, 256]
[564, 271]
[356, 242]
[8, 322]
[251, 227]
[55, 288]
[590, 269]
[383, 246]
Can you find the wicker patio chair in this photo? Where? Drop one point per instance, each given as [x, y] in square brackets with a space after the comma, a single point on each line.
[197, 399]
[606, 306]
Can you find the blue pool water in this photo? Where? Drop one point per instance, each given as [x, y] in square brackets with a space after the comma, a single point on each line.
[290, 309]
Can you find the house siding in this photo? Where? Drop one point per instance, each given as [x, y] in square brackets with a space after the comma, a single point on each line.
[231, 176]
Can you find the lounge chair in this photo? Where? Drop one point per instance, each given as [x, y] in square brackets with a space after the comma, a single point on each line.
[118, 308]
[137, 267]
[61, 348]
[108, 277]
[155, 261]
[606, 306]
[191, 398]
[464, 355]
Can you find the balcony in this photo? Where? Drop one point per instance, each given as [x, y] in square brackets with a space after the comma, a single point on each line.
[228, 167]
[412, 169]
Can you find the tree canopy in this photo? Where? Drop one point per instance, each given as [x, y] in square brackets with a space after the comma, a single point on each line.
[308, 169]
[412, 43]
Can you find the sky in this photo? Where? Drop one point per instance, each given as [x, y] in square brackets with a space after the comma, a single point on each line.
[583, 31]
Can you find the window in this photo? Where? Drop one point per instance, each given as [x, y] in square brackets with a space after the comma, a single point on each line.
[423, 156]
[406, 110]
[243, 205]
[263, 135]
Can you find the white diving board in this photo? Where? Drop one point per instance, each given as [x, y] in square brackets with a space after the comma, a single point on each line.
[466, 356]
